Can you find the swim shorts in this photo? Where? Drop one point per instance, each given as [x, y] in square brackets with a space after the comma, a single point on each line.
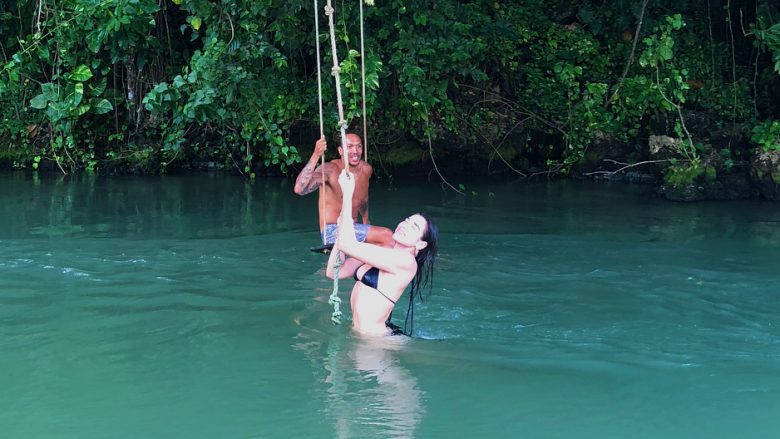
[329, 235]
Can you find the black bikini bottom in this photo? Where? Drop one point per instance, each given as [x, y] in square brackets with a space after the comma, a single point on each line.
[394, 329]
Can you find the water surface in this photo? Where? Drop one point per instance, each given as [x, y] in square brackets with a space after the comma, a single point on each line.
[190, 306]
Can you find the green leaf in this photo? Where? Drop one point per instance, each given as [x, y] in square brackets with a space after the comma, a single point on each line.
[101, 106]
[665, 53]
[40, 102]
[80, 73]
[43, 53]
[77, 95]
[99, 88]
[50, 90]
[80, 110]
[55, 112]
[677, 22]
[94, 39]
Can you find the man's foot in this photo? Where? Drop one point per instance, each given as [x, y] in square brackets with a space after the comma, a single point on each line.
[324, 249]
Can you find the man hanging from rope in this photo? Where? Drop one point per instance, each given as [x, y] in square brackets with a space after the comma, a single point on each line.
[311, 178]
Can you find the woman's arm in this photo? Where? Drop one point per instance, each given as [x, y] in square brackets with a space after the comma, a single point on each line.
[346, 225]
[347, 268]
[386, 259]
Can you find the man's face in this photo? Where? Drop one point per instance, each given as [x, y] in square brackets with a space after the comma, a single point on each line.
[354, 150]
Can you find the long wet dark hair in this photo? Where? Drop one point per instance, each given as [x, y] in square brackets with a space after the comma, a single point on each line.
[424, 276]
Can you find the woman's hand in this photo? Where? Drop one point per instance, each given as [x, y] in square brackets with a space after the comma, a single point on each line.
[347, 183]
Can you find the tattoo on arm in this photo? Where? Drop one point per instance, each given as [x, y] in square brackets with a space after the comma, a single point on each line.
[307, 181]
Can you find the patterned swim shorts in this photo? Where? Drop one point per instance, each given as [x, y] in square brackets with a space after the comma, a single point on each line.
[329, 235]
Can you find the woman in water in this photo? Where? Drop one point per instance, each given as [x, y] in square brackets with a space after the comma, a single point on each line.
[383, 273]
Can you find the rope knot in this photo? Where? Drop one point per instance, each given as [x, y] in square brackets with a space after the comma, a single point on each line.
[328, 10]
[335, 70]
[334, 298]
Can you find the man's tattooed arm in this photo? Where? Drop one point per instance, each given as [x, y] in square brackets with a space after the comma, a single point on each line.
[310, 177]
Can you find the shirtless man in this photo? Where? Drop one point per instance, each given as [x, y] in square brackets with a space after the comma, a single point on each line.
[310, 179]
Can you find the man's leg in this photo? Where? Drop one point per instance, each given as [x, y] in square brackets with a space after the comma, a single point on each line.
[363, 232]
[329, 234]
[328, 238]
[380, 236]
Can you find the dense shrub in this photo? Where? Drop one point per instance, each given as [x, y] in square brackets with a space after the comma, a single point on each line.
[142, 85]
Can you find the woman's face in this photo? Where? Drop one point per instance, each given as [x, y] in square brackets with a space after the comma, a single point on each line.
[410, 231]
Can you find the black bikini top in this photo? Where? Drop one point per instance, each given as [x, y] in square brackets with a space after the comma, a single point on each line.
[371, 279]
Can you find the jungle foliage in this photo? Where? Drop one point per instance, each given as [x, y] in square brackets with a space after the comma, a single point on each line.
[143, 85]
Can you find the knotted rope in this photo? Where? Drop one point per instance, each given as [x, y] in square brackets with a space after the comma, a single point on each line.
[334, 298]
[335, 72]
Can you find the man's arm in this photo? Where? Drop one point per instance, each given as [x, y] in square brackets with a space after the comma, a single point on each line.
[310, 177]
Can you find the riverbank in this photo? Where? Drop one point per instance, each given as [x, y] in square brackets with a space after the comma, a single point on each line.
[710, 177]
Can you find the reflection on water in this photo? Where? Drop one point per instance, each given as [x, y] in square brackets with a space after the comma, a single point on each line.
[369, 393]
[391, 398]
[218, 206]
[203, 206]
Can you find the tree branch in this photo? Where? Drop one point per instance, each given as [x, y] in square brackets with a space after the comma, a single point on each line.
[627, 166]
[631, 56]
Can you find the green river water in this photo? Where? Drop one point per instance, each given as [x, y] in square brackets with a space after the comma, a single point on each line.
[190, 307]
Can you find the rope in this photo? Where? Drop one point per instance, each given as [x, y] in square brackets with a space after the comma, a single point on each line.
[363, 82]
[334, 298]
[319, 76]
[335, 70]
[319, 100]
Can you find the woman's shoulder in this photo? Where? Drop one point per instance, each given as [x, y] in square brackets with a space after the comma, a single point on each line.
[404, 259]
